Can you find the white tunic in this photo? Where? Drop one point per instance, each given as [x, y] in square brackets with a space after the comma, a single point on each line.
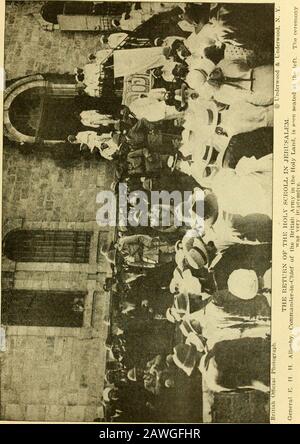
[94, 119]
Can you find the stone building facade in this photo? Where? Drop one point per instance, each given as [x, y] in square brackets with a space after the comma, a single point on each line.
[31, 48]
[51, 369]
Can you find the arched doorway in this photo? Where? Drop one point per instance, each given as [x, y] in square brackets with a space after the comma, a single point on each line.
[37, 110]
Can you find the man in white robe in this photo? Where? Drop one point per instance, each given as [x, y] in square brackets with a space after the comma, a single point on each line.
[232, 81]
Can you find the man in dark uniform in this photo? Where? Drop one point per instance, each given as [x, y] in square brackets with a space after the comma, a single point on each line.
[248, 257]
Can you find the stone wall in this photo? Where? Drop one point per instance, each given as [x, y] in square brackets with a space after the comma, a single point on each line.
[29, 49]
[35, 187]
[52, 378]
[55, 374]
[47, 373]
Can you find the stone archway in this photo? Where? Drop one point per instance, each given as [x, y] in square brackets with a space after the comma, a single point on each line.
[31, 127]
[10, 94]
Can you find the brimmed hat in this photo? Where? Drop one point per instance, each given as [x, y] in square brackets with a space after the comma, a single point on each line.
[243, 283]
[117, 414]
[206, 115]
[181, 304]
[201, 71]
[157, 41]
[115, 23]
[107, 376]
[184, 356]
[267, 279]
[102, 38]
[169, 316]
[178, 245]
[196, 340]
[196, 79]
[147, 184]
[72, 139]
[180, 95]
[131, 374]
[209, 116]
[106, 394]
[114, 186]
[195, 326]
[195, 252]
[186, 328]
[171, 162]
[109, 354]
[211, 206]
[172, 315]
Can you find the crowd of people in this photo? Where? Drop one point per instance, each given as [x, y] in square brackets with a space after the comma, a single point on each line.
[194, 298]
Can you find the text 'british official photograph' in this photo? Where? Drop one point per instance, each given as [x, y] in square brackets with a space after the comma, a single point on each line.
[137, 212]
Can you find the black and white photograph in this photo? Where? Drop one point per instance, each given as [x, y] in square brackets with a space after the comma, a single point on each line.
[137, 210]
